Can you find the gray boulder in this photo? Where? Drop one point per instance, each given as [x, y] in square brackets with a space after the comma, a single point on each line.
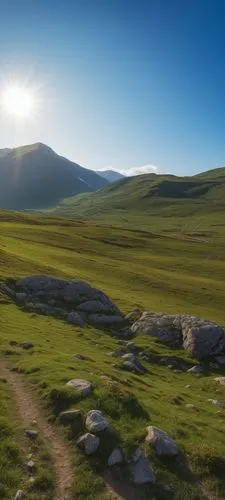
[165, 327]
[196, 369]
[96, 422]
[88, 443]
[164, 445]
[141, 471]
[83, 387]
[202, 338]
[70, 416]
[115, 458]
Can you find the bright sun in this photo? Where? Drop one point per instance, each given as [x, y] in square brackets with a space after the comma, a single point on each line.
[17, 101]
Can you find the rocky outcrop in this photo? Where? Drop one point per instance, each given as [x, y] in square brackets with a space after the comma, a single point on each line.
[201, 337]
[74, 301]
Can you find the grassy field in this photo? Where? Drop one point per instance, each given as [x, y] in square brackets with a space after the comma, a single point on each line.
[172, 264]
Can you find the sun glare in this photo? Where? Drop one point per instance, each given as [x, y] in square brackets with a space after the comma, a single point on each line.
[17, 101]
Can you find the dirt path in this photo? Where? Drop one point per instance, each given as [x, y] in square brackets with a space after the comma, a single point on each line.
[29, 410]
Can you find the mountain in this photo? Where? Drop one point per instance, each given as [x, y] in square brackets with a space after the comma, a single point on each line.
[152, 192]
[110, 175]
[34, 176]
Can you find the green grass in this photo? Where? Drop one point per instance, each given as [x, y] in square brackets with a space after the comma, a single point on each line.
[158, 264]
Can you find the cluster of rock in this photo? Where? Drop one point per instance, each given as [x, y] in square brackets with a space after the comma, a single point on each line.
[79, 303]
[201, 337]
[97, 426]
[72, 300]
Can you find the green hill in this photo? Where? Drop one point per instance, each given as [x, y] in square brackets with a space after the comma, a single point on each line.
[151, 193]
[34, 176]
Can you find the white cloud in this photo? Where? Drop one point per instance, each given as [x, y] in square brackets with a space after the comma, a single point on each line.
[143, 169]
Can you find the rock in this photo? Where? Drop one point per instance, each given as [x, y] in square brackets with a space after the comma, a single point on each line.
[189, 406]
[27, 345]
[202, 338]
[31, 465]
[71, 416]
[133, 315]
[115, 458]
[117, 354]
[95, 306]
[105, 321]
[131, 367]
[164, 445]
[131, 346]
[220, 360]
[141, 471]
[88, 443]
[19, 495]
[218, 403]
[221, 380]
[177, 370]
[21, 297]
[165, 327]
[214, 366]
[196, 369]
[79, 356]
[31, 433]
[75, 319]
[83, 387]
[96, 422]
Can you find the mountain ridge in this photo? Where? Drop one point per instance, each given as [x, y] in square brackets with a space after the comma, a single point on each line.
[35, 177]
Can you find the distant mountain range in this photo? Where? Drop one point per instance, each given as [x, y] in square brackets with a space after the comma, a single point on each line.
[35, 177]
[110, 175]
[152, 193]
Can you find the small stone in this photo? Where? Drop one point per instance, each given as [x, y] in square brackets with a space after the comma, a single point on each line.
[177, 370]
[31, 481]
[187, 386]
[195, 369]
[19, 495]
[115, 458]
[88, 443]
[29, 456]
[221, 380]
[189, 406]
[31, 434]
[30, 465]
[27, 345]
[96, 422]
[83, 387]
[79, 356]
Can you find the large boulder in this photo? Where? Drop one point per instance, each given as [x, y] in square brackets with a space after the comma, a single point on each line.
[164, 445]
[73, 300]
[202, 338]
[96, 422]
[165, 327]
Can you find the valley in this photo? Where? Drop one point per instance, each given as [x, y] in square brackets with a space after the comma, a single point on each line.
[155, 263]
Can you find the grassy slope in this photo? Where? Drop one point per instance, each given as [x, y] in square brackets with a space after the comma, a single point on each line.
[165, 265]
[153, 194]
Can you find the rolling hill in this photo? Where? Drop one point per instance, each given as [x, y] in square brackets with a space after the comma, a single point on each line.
[153, 192]
[34, 177]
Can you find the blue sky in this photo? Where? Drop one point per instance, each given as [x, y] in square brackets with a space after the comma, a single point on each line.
[121, 83]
